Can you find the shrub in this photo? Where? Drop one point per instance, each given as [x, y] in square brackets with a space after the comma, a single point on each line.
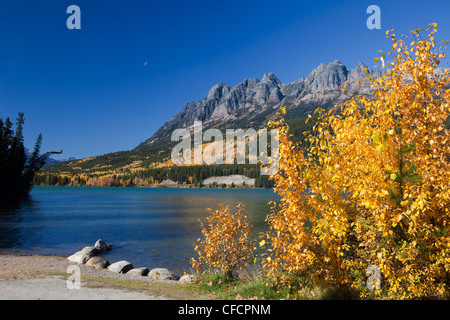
[226, 244]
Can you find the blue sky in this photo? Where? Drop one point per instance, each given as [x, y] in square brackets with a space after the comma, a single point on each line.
[134, 64]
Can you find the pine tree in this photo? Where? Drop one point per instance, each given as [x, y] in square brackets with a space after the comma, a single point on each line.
[16, 173]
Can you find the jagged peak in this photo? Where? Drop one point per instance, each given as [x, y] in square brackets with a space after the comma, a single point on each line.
[270, 77]
[218, 90]
[359, 72]
[334, 64]
[360, 66]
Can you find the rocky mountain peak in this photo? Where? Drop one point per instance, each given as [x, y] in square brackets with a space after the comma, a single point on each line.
[327, 77]
[359, 74]
[270, 77]
[254, 99]
[218, 91]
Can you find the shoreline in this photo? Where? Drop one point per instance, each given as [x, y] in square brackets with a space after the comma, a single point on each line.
[18, 266]
[159, 187]
[42, 277]
[25, 266]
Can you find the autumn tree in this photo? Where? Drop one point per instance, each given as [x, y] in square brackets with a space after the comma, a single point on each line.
[373, 187]
[226, 243]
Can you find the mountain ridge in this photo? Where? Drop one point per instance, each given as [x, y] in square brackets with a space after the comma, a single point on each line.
[251, 103]
[231, 104]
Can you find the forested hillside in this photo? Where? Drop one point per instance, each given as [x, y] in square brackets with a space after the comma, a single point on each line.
[109, 170]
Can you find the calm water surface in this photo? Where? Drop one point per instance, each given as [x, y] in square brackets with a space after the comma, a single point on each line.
[150, 227]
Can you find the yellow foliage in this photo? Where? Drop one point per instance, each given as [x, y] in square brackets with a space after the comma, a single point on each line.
[373, 187]
[226, 244]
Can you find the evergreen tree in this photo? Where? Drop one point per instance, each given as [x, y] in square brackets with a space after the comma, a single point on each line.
[16, 173]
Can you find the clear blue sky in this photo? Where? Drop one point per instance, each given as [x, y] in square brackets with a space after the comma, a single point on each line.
[134, 64]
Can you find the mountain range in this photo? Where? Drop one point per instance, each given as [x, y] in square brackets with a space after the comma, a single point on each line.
[251, 103]
[50, 161]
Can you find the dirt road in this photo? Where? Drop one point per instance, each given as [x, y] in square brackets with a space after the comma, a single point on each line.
[43, 277]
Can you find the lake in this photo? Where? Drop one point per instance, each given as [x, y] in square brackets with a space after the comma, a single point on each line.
[150, 227]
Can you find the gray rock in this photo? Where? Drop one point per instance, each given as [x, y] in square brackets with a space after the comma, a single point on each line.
[327, 77]
[83, 255]
[79, 257]
[92, 251]
[97, 262]
[138, 272]
[162, 274]
[187, 278]
[120, 267]
[218, 91]
[295, 88]
[102, 245]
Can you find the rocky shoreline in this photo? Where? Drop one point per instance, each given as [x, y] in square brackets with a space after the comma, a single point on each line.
[91, 257]
[43, 277]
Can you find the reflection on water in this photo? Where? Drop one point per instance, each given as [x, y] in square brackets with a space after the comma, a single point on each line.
[149, 227]
[11, 222]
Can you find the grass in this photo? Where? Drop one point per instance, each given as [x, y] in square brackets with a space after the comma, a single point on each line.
[217, 286]
[171, 290]
[210, 286]
[224, 287]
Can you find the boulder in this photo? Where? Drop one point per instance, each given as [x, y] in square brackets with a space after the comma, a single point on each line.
[162, 274]
[138, 272]
[79, 257]
[102, 245]
[97, 263]
[83, 255]
[92, 251]
[120, 267]
[187, 278]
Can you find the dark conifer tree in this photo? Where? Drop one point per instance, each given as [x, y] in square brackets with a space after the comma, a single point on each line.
[16, 171]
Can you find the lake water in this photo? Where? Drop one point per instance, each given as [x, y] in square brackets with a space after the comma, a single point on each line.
[150, 227]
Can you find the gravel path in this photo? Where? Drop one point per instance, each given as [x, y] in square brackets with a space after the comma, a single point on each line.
[55, 288]
[25, 277]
